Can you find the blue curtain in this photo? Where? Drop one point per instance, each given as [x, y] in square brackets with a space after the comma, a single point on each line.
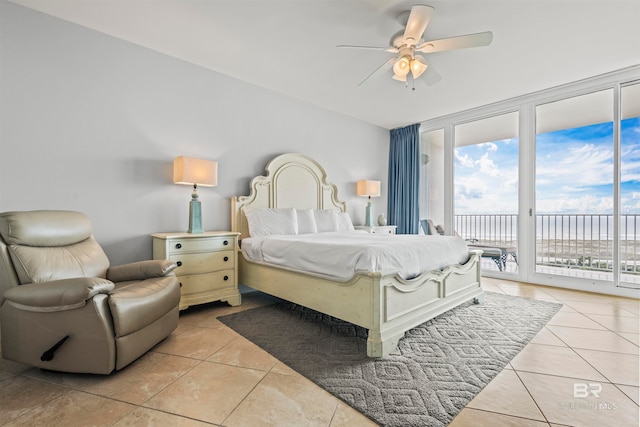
[404, 177]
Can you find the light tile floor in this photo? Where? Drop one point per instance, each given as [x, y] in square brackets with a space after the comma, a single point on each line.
[206, 374]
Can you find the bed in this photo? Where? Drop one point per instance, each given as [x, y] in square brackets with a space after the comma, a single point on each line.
[385, 304]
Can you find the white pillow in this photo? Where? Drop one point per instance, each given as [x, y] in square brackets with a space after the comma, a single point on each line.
[327, 219]
[306, 221]
[345, 223]
[265, 222]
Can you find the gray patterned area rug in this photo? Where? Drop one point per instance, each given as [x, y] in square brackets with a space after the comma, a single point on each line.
[438, 368]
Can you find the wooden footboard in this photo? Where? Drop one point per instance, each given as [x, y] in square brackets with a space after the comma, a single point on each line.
[406, 304]
[387, 306]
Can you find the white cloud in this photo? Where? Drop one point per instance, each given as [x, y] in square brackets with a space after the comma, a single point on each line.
[572, 176]
[465, 160]
[491, 146]
[630, 204]
[470, 188]
[577, 166]
[481, 193]
[630, 169]
[628, 208]
[510, 181]
[587, 204]
[488, 166]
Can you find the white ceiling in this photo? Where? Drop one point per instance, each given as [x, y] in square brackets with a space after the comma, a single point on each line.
[289, 46]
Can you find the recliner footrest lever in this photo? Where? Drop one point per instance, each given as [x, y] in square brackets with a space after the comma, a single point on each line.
[48, 355]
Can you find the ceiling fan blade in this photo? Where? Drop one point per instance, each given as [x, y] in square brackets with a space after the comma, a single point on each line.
[382, 69]
[458, 42]
[386, 49]
[430, 76]
[416, 24]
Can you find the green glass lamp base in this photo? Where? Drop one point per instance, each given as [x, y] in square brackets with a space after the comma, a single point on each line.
[368, 219]
[195, 217]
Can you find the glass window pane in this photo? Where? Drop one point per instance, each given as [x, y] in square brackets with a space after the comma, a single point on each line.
[630, 185]
[574, 186]
[486, 188]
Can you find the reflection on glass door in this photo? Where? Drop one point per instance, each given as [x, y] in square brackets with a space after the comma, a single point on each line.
[432, 177]
[486, 189]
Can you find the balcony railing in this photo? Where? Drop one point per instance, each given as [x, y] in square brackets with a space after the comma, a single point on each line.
[577, 241]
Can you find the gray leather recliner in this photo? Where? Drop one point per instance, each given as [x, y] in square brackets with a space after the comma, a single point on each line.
[63, 308]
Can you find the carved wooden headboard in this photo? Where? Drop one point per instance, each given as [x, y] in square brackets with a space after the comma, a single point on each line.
[291, 181]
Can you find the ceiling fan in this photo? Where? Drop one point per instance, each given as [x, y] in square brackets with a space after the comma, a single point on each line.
[409, 42]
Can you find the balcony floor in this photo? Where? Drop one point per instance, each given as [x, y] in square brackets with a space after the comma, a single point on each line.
[512, 268]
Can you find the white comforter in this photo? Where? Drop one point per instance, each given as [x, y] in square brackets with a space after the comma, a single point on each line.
[340, 255]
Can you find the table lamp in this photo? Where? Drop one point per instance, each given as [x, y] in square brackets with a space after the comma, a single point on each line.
[370, 189]
[192, 171]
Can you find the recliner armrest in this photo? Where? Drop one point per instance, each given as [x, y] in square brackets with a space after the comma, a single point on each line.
[57, 295]
[141, 270]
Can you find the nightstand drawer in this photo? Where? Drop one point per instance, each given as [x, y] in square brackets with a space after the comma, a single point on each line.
[377, 229]
[383, 230]
[178, 246]
[194, 263]
[208, 282]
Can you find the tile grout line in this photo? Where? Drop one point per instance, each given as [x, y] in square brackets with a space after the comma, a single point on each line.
[249, 393]
[611, 330]
[593, 349]
[532, 398]
[512, 416]
[522, 381]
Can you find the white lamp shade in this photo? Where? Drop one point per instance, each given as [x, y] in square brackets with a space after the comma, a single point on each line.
[368, 188]
[190, 171]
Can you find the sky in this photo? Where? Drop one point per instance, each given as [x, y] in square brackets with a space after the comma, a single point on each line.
[574, 172]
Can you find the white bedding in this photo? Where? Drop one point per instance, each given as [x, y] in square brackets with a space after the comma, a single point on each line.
[340, 255]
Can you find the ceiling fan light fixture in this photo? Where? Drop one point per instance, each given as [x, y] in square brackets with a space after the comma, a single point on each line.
[402, 79]
[418, 66]
[402, 67]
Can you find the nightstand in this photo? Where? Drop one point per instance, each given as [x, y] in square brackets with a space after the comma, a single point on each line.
[207, 265]
[377, 229]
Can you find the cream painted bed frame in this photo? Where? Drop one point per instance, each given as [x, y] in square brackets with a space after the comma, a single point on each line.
[387, 306]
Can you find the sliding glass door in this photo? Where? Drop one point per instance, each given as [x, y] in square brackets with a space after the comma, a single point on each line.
[486, 189]
[574, 186]
[629, 218]
[587, 187]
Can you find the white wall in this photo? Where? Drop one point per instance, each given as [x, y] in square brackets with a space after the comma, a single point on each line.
[89, 122]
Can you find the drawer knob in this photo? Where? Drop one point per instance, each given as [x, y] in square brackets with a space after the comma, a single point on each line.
[226, 242]
[226, 259]
[226, 278]
[179, 263]
[180, 284]
[178, 245]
